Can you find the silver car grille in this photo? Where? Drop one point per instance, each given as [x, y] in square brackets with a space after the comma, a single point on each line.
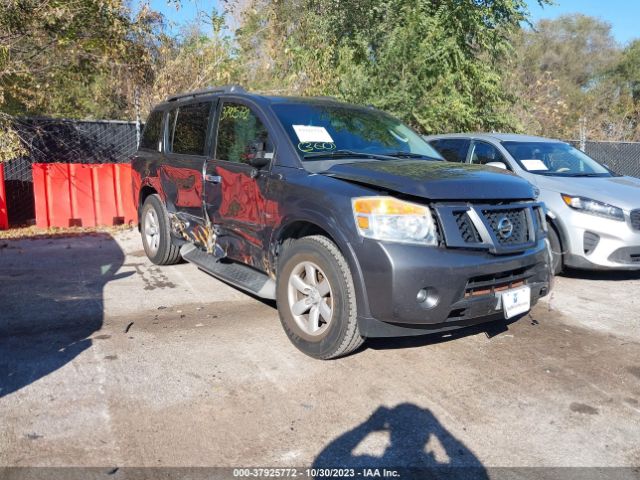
[635, 219]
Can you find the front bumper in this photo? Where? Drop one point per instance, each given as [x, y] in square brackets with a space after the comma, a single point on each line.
[465, 281]
[617, 244]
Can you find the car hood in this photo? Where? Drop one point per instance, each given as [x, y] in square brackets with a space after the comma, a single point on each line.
[623, 192]
[436, 180]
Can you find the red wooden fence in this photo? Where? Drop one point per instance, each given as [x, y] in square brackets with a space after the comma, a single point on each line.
[73, 194]
[4, 217]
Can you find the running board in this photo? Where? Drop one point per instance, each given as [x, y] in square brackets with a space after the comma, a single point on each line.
[237, 274]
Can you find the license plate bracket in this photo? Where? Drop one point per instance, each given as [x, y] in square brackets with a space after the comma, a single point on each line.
[516, 302]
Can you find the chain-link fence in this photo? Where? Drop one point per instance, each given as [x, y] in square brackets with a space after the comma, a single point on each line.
[106, 141]
[621, 157]
[70, 141]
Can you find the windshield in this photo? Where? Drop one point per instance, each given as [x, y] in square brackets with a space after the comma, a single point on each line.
[554, 158]
[322, 131]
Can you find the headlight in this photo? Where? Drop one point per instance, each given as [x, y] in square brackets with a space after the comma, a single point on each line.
[593, 207]
[387, 218]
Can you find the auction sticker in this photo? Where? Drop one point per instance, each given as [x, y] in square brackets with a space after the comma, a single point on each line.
[309, 133]
[534, 165]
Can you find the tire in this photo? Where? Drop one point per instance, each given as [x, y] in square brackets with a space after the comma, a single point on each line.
[556, 251]
[156, 236]
[308, 328]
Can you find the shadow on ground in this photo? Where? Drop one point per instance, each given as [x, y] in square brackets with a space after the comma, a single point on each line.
[406, 437]
[615, 275]
[52, 302]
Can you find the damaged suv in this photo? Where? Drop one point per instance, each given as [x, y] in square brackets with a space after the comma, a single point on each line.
[346, 217]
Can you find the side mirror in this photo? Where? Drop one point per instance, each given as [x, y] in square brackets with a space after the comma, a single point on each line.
[258, 158]
[496, 165]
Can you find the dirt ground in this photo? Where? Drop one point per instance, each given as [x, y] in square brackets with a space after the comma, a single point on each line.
[107, 360]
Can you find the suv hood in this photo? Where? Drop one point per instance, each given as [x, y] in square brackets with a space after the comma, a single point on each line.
[436, 180]
[622, 192]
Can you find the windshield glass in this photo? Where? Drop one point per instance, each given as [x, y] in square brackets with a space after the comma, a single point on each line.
[324, 130]
[554, 158]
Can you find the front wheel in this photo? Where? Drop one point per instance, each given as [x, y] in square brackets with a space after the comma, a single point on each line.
[316, 298]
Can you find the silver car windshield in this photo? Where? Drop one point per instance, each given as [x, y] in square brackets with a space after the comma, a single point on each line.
[555, 159]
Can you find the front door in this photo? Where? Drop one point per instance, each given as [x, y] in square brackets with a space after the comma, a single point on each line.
[235, 192]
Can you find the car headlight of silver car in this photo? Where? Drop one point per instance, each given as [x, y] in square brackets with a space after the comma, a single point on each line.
[593, 207]
[391, 219]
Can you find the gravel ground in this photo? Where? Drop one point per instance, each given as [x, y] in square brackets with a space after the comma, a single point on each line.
[107, 360]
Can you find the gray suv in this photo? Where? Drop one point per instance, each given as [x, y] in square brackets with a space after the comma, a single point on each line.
[342, 214]
[594, 213]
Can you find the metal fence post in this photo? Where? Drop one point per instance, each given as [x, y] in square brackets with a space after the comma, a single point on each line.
[4, 217]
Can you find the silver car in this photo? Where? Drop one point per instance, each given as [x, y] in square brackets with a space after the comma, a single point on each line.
[594, 214]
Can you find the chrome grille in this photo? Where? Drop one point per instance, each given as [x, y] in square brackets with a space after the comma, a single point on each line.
[635, 219]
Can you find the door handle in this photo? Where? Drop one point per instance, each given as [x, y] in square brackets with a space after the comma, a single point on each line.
[213, 178]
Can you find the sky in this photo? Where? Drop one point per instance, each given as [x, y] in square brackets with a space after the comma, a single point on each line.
[623, 15]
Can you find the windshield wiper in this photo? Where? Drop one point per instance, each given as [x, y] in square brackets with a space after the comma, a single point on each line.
[346, 153]
[401, 154]
[587, 174]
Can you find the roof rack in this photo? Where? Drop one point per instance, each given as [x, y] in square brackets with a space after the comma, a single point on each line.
[207, 91]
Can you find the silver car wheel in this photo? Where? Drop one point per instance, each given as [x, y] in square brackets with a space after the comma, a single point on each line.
[310, 298]
[152, 231]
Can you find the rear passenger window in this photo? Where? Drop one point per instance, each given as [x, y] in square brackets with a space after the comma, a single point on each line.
[453, 150]
[152, 132]
[188, 128]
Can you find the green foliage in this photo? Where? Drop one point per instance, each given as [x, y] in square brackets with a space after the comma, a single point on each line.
[436, 64]
[11, 145]
[71, 57]
[572, 79]
[440, 65]
[627, 71]
[198, 58]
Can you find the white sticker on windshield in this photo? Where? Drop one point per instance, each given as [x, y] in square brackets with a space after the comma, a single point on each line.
[533, 165]
[308, 133]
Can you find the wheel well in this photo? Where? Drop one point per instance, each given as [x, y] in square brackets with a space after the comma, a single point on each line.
[552, 224]
[297, 230]
[144, 193]
[301, 229]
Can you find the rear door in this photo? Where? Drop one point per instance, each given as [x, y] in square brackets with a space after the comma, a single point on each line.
[236, 194]
[186, 149]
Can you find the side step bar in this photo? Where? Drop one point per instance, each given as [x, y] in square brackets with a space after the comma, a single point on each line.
[237, 274]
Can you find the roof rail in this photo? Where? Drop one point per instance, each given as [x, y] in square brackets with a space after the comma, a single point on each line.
[207, 91]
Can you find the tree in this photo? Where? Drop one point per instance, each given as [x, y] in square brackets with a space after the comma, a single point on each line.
[436, 64]
[204, 56]
[72, 58]
[568, 75]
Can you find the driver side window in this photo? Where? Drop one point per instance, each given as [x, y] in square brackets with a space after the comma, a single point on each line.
[484, 153]
[239, 128]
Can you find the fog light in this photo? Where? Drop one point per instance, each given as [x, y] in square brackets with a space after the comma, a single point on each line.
[427, 297]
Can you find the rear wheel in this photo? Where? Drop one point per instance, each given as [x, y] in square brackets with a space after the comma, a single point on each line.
[316, 298]
[556, 251]
[156, 236]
